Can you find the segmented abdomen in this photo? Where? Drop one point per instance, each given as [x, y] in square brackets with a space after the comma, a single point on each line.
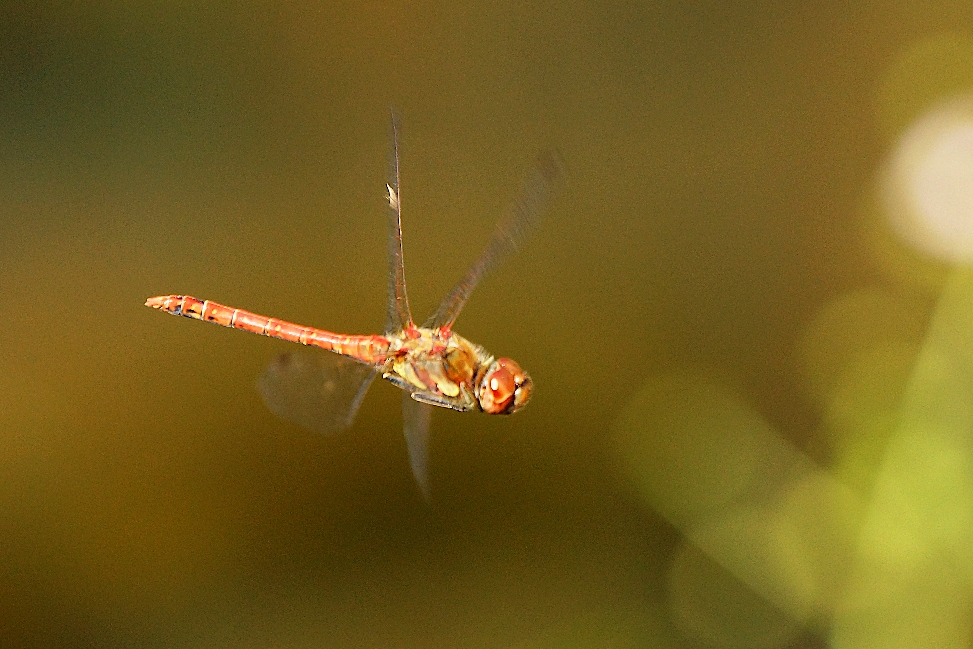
[368, 348]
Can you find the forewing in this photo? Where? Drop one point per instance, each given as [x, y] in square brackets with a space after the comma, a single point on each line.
[398, 300]
[415, 424]
[319, 391]
[512, 230]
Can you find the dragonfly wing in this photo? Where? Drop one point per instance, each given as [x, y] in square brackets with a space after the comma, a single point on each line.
[398, 300]
[415, 423]
[512, 230]
[321, 392]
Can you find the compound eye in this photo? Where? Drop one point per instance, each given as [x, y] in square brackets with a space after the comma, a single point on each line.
[505, 387]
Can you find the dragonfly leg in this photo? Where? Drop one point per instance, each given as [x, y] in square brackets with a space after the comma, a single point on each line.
[398, 381]
[434, 399]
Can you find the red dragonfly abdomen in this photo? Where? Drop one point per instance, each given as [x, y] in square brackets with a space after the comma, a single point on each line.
[370, 349]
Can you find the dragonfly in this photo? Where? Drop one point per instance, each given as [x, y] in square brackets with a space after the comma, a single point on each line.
[431, 363]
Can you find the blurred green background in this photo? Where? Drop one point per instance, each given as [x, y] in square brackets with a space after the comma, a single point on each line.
[752, 418]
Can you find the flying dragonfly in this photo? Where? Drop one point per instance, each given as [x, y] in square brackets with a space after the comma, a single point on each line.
[435, 366]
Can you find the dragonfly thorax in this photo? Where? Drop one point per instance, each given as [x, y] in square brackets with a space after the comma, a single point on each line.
[444, 369]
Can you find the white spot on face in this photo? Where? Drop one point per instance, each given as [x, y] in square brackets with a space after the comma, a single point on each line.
[494, 384]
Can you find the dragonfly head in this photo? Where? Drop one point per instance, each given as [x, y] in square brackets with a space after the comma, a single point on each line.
[504, 388]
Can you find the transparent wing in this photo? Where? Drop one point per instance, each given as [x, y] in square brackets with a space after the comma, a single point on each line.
[398, 301]
[511, 231]
[321, 392]
[415, 424]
